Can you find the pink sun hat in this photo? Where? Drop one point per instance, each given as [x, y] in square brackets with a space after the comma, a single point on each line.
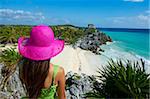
[41, 45]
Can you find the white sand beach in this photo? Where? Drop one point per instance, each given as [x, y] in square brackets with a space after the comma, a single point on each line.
[76, 60]
[82, 61]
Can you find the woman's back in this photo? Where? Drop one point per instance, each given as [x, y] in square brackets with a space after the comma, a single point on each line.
[41, 78]
[54, 84]
[50, 85]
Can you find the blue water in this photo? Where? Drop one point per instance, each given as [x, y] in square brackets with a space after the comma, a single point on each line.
[135, 41]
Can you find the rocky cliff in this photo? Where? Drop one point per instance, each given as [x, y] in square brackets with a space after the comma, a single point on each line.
[76, 86]
[14, 88]
[93, 40]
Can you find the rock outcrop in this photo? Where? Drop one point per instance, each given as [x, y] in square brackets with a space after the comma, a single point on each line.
[93, 40]
[14, 88]
[76, 86]
[91, 26]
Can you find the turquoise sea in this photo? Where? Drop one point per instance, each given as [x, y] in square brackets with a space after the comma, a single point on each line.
[135, 41]
[128, 44]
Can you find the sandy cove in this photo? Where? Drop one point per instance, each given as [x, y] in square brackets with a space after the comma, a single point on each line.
[76, 60]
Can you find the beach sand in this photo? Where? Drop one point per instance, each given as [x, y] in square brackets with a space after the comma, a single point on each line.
[74, 59]
[78, 60]
[82, 61]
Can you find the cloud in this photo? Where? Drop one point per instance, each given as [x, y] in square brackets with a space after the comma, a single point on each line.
[143, 17]
[56, 20]
[118, 20]
[9, 14]
[142, 20]
[134, 0]
[148, 11]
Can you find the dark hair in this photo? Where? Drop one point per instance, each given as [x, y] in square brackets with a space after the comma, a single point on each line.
[33, 74]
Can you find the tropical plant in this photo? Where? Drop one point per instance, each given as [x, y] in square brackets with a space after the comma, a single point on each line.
[9, 57]
[10, 34]
[90, 30]
[122, 80]
[69, 33]
[8, 37]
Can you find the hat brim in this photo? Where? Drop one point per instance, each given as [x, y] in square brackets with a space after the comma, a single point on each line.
[39, 53]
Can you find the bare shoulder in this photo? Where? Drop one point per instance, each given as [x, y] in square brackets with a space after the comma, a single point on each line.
[61, 70]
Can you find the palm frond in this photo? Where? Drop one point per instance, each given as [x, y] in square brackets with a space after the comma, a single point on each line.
[122, 79]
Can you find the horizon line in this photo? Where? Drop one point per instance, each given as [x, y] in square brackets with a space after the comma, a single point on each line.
[76, 26]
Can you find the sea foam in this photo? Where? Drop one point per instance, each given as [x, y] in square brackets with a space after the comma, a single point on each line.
[115, 52]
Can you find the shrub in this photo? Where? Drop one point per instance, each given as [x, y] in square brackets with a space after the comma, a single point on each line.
[9, 58]
[122, 80]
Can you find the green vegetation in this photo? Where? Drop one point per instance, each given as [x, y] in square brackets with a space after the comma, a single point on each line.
[68, 33]
[91, 30]
[115, 80]
[11, 33]
[122, 80]
[9, 58]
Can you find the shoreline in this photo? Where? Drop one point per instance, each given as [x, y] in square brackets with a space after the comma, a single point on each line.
[112, 50]
[73, 59]
[83, 61]
[77, 60]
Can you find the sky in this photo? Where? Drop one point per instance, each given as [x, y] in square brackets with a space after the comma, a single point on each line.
[102, 13]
